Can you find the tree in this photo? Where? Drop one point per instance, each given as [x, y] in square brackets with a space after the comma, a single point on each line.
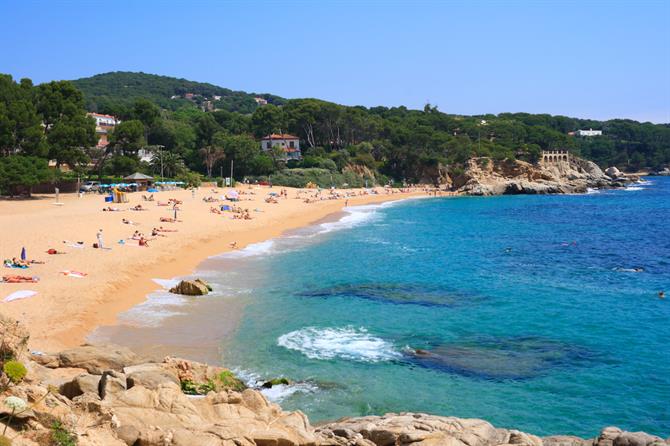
[268, 119]
[69, 138]
[128, 137]
[18, 171]
[57, 100]
[20, 125]
[213, 152]
[242, 150]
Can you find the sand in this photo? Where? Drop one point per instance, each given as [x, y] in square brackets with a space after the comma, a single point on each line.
[65, 309]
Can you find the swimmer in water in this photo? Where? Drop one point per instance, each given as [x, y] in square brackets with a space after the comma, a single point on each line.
[661, 294]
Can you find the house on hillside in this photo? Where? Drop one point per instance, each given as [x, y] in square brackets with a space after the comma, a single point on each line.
[104, 124]
[261, 101]
[589, 132]
[289, 143]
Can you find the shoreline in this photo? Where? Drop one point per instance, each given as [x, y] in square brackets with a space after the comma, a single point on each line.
[165, 335]
[122, 284]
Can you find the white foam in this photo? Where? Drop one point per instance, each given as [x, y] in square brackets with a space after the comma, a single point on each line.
[591, 190]
[166, 283]
[157, 307]
[280, 392]
[276, 393]
[252, 250]
[634, 188]
[344, 343]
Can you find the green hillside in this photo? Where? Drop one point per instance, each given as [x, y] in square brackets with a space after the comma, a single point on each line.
[109, 92]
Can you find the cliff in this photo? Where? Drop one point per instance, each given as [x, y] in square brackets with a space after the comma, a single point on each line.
[485, 176]
[108, 396]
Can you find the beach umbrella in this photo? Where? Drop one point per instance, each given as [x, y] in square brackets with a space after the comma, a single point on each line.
[23, 253]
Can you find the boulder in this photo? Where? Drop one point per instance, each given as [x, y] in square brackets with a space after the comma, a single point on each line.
[150, 377]
[613, 172]
[79, 385]
[14, 339]
[195, 287]
[111, 383]
[96, 359]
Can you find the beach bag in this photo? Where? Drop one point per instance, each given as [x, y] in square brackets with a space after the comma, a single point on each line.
[95, 245]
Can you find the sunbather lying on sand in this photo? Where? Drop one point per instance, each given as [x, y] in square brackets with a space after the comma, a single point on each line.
[20, 279]
[162, 203]
[15, 263]
[128, 222]
[156, 233]
[162, 229]
[52, 251]
[111, 209]
[169, 220]
[214, 211]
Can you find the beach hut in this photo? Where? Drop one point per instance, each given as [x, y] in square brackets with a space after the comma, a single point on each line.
[143, 181]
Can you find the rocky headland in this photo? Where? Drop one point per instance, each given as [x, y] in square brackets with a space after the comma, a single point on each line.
[486, 176]
[108, 396]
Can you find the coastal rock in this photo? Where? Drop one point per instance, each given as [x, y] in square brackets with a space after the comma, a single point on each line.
[111, 383]
[80, 385]
[485, 176]
[150, 376]
[14, 339]
[613, 172]
[195, 287]
[98, 358]
[417, 429]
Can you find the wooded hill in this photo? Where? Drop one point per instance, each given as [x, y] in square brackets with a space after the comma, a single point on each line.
[399, 142]
[113, 91]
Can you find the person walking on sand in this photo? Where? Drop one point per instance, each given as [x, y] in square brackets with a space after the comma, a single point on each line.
[99, 237]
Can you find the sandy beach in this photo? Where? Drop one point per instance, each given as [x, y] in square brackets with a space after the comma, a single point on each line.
[66, 308]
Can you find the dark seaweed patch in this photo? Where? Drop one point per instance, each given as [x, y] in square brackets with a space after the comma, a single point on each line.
[516, 358]
[410, 294]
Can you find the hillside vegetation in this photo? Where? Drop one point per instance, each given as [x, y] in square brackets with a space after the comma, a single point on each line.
[190, 137]
[110, 92]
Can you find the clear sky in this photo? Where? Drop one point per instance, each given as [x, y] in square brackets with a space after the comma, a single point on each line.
[591, 59]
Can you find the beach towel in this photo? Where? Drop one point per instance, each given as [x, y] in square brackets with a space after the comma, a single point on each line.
[77, 274]
[16, 295]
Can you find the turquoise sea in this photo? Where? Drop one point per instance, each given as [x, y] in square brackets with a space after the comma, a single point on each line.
[539, 313]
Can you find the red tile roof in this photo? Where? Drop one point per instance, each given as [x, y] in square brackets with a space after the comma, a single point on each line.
[280, 136]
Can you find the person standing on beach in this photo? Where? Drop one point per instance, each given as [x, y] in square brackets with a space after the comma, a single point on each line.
[99, 236]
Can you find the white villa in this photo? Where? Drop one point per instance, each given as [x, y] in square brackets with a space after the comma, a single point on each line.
[589, 132]
[290, 144]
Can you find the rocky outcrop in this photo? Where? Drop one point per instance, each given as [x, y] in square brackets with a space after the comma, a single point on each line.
[197, 287]
[415, 429]
[665, 172]
[108, 396]
[485, 176]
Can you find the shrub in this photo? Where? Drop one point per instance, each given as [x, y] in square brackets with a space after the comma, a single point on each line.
[15, 371]
[230, 381]
[61, 436]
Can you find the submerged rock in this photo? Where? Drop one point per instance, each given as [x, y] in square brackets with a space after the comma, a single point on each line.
[501, 358]
[410, 294]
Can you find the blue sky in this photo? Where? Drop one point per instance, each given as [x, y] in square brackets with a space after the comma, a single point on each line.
[596, 59]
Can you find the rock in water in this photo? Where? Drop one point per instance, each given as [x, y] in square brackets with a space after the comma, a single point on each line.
[197, 287]
[613, 172]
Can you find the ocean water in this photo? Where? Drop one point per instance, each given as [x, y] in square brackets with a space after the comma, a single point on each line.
[539, 313]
